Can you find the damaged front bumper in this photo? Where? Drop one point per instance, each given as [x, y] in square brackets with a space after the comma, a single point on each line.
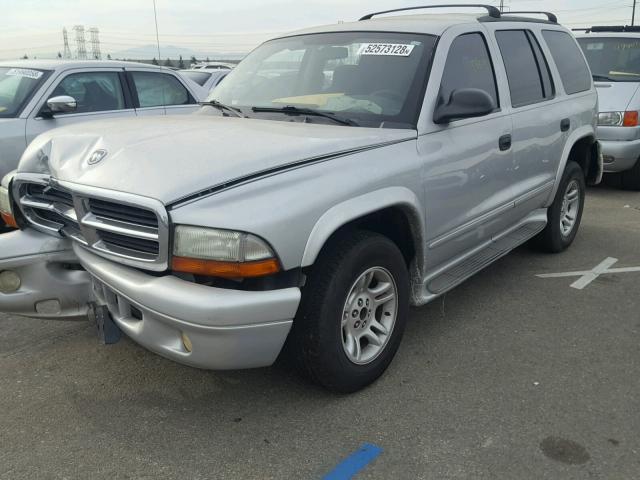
[48, 281]
[193, 324]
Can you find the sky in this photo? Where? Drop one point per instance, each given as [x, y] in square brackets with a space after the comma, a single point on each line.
[210, 27]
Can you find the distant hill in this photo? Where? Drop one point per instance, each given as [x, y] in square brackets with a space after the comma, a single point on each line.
[173, 52]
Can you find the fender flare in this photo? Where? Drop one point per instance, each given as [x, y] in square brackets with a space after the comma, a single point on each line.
[576, 135]
[357, 207]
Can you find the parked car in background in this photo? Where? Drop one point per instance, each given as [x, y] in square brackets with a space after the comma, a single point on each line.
[207, 79]
[38, 95]
[213, 66]
[613, 54]
[311, 209]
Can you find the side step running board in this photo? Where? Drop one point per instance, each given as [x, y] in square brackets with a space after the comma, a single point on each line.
[496, 249]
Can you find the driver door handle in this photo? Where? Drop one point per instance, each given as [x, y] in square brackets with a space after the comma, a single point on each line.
[504, 142]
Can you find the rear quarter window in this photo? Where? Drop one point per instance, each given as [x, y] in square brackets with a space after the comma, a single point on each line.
[574, 73]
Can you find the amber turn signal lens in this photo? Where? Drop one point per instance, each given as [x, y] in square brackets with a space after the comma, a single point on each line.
[9, 220]
[630, 119]
[214, 268]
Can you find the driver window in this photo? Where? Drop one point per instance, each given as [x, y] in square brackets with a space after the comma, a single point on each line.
[93, 91]
[468, 66]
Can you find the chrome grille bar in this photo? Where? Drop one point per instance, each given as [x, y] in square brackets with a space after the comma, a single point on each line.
[123, 227]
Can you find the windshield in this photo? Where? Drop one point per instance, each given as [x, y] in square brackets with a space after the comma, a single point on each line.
[613, 58]
[16, 88]
[199, 77]
[370, 78]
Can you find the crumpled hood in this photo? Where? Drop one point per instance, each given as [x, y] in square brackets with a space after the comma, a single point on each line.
[615, 96]
[168, 158]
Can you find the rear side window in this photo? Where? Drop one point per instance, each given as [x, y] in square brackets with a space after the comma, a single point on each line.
[566, 54]
[468, 66]
[527, 69]
[159, 89]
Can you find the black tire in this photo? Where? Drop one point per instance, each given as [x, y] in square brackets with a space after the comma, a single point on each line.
[631, 177]
[315, 343]
[551, 239]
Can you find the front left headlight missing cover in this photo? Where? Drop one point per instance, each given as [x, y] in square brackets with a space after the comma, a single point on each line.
[221, 253]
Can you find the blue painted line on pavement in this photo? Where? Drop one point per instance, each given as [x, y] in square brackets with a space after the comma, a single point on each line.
[354, 463]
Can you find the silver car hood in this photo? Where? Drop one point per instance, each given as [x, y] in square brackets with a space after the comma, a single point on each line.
[615, 96]
[169, 158]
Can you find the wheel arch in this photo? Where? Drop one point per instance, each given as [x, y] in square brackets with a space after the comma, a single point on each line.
[583, 148]
[391, 211]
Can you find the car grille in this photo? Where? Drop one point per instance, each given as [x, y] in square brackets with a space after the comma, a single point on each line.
[121, 230]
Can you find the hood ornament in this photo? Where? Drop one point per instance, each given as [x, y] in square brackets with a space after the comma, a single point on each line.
[97, 156]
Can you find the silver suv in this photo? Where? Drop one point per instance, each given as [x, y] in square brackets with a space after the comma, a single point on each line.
[338, 175]
[39, 95]
[613, 53]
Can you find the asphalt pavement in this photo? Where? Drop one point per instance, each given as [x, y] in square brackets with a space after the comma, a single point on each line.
[509, 376]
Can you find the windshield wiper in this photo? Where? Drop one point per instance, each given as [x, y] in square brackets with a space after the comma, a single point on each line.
[291, 110]
[602, 78]
[222, 107]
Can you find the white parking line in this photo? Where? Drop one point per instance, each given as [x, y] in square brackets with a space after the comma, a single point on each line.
[588, 276]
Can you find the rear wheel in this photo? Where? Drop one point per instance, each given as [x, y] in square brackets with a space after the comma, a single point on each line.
[631, 177]
[565, 213]
[353, 312]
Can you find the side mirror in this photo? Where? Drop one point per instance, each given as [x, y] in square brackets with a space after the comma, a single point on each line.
[62, 104]
[464, 103]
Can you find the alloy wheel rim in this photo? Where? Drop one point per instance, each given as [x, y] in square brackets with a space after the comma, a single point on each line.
[369, 315]
[570, 208]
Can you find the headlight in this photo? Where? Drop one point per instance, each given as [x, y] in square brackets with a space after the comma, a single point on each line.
[5, 208]
[610, 119]
[618, 119]
[221, 253]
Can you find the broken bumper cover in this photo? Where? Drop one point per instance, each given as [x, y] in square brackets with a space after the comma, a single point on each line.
[226, 329]
[49, 286]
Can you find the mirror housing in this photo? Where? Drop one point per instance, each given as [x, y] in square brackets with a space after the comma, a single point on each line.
[61, 104]
[464, 103]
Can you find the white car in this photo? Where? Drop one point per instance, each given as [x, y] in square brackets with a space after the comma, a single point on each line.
[38, 95]
[206, 78]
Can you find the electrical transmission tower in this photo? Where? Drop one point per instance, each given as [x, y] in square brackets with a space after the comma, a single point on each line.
[67, 50]
[81, 47]
[95, 43]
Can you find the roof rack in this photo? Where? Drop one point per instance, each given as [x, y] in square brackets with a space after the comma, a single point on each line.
[613, 28]
[550, 16]
[493, 11]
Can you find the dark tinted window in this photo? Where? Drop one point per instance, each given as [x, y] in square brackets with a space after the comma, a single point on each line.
[543, 67]
[93, 91]
[569, 60]
[523, 74]
[468, 66]
[615, 58]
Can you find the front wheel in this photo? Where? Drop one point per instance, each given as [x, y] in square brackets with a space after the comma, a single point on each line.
[565, 213]
[353, 312]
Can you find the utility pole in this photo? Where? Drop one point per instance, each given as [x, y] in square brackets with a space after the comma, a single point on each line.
[633, 13]
[67, 50]
[81, 47]
[95, 43]
[502, 6]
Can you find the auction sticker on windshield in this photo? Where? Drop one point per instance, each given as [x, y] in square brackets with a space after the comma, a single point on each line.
[24, 72]
[394, 49]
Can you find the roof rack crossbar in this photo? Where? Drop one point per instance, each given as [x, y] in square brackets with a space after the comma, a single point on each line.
[550, 16]
[493, 11]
